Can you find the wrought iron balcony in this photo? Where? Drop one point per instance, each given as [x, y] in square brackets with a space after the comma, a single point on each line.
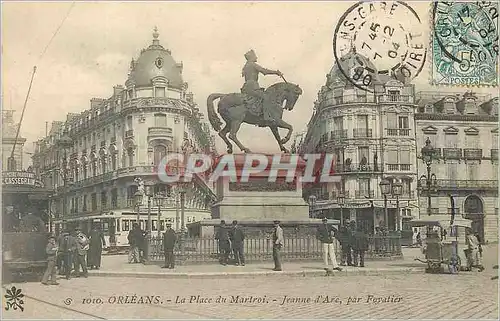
[394, 98]
[466, 184]
[473, 153]
[129, 133]
[362, 132]
[452, 153]
[398, 167]
[364, 194]
[160, 132]
[355, 168]
[398, 131]
[338, 134]
[336, 194]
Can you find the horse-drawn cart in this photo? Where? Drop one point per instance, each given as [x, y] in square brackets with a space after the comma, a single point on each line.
[444, 248]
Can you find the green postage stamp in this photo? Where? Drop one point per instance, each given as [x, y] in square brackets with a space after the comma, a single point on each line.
[465, 43]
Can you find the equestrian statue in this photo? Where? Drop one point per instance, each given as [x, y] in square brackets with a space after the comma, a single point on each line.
[254, 105]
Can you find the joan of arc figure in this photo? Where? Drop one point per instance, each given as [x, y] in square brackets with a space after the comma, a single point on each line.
[251, 87]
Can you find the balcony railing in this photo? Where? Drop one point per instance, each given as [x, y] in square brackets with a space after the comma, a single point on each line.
[494, 154]
[473, 153]
[398, 167]
[338, 134]
[362, 132]
[344, 168]
[364, 194]
[466, 184]
[394, 98]
[398, 131]
[129, 133]
[336, 194]
[452, 153]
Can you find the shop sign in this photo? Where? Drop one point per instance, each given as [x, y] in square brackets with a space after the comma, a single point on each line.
[20, 179]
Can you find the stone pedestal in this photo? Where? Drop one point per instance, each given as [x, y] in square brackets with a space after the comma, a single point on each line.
[259, 199]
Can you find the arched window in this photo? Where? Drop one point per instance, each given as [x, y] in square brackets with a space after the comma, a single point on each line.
[94, 168]
[84, 168]
[159, 152]
[103, 164]
[113, 161]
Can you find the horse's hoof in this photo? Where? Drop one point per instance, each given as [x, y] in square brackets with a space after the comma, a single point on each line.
[247, 151]
[285, 151]
[285, 140]
[229, 151]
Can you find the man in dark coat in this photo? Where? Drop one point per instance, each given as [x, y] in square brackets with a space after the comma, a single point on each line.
[222, 236]
[237, 240]
[360, 247]
[169, 239]
[345, 244]
[68, 248]
[97, 242]
[50, 272]
[134, 241]
[80, 255]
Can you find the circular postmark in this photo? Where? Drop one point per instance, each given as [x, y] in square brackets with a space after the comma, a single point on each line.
[466, 40]
[375, 42]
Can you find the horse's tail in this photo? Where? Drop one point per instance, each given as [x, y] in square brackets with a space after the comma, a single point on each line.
[212, 115]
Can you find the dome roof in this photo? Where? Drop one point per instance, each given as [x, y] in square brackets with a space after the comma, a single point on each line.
[155, 61]
[349, 62]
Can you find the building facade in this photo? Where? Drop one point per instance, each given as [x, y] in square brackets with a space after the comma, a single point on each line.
[92, 160]
[10, 142]
[372, 137]
[463, 127]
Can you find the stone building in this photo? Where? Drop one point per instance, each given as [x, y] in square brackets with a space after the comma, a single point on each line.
[463, 127]
[372, 136]
[93, 159]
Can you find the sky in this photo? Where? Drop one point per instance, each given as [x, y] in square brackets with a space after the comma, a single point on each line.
[92, 52]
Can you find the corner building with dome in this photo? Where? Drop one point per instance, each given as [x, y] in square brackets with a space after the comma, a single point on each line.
[93, 159]
[371, 134]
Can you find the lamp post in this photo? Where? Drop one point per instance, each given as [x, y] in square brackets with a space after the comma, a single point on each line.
[182, 196]
[385, 187]
[428, 155]
[159, 199]
[341, 202]
[138, 201]
[149, 193]
[397, 191]
[312, 205]
[65, 142]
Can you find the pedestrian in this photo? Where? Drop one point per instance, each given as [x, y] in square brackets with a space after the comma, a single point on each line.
[134, 238]
[237, 238]
[473, 256]
[414, 237]
[82, 246]
[68, 248]
[143, 238]
[360, 247]
[278, 242]
[419, 239]
[325, 234]
[222, 236]
[61, 253]
[50, 272]
[345, 244]
[169, 239]
[97, 242]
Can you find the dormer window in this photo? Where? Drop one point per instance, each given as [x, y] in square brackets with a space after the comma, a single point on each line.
[159, 91]
[429, 109]
[130, 94]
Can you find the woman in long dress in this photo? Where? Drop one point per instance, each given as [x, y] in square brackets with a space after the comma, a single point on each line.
[97, 242]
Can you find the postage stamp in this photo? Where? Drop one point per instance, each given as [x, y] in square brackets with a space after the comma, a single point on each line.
[465, 43]
[378, 41]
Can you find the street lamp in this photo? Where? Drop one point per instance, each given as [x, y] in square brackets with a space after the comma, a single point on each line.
[138, 201]
[397, 191]
[385, 187]
[148, 189]
[428, 155]
[312, 203]
[341, 202]
[160, 201]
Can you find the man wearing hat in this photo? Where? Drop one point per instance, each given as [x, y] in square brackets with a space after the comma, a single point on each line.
[325, 235]
[222, 236]
[278, 241]
[237, 238]
[51, 251]
[82, 246]
[67, 247]
[169, 239]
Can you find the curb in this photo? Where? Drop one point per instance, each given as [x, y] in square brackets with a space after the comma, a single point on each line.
[208, 275]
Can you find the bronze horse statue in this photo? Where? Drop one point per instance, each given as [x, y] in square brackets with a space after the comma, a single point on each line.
[236, 108]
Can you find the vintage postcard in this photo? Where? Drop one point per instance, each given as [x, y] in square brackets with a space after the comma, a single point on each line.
[250, 160]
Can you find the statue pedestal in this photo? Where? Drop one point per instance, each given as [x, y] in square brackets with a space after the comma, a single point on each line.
[259, 202]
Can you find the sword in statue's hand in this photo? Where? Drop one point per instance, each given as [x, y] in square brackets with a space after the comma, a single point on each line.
[282, 77]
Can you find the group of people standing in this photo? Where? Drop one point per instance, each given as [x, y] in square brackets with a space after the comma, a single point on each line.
[71, 251]
[353, 243]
